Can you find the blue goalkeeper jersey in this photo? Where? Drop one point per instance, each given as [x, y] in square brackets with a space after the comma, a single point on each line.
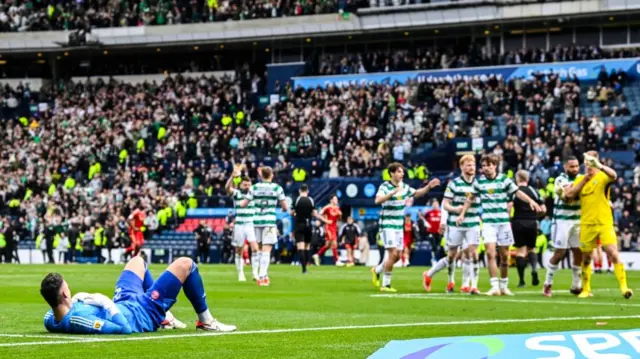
[88, 319]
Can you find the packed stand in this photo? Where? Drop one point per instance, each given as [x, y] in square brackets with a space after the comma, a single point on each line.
[70, 15]
[94, 149]
[475, 55]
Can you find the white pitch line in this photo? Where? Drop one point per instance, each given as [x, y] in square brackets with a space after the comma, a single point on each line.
[443, 296]
[102, 339]
[41, 336]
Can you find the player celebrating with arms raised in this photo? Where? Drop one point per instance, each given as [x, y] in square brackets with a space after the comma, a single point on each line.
[566, 228]
[243, 228]
[596, 221]
[495, 191]
[267, 195]
[463, 223]
[392, 195]
[332, 213]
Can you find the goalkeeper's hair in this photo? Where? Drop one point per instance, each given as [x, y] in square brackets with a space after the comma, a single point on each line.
[50, 289]
[593, 154]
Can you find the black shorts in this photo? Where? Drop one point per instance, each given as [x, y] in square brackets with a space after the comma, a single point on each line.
[525, 233]
[302, 233]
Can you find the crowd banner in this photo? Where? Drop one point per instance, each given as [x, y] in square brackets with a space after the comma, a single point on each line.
[582, 70]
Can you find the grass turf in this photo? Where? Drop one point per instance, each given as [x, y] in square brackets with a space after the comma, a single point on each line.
[328, 297]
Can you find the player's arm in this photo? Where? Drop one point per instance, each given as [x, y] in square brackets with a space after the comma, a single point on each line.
[321, 218]
[444, 215]
[424, 190]
[573, 191]
[229, 187]
[595, 163]
[446, 204]
[90, 324]
[381, 197]
[283, 200]
[245, 202]
[524, 197]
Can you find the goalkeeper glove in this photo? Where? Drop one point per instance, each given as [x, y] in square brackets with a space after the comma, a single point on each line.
[101, 300]
[591, 161]
[79, 297]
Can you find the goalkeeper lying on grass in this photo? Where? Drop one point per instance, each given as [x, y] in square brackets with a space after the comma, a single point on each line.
[139, 304]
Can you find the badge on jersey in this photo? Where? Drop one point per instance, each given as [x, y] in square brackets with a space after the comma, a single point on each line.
[98, 324]
[491, 191]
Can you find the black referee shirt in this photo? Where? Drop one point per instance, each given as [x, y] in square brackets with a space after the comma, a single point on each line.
[304, 207]
[521, 209]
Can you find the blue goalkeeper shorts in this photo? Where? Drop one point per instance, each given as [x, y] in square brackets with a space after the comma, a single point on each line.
[145, 310]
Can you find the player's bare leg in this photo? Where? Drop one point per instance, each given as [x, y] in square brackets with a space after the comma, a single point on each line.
[587, 271]
[350, 260]
[186, 271]
[503, 251]
[618, 268]
[472, 254]
[393, 256]
[521, 263]
[265, 260]
[492, 268]
[449, 262]
[334, 249]
[303, 252]
[138, 266]
[466, 270]
[255, 260]
[597, 259]
[239, 264]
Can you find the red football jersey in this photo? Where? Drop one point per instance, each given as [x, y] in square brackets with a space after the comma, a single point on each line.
[433, 218]
[138, 218]
[332, 214]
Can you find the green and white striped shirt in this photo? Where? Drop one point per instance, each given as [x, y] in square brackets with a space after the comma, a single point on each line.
[457, 192]
[266, 196]
[565, 210]
[392, 215]
[494, 195]
[244, 216]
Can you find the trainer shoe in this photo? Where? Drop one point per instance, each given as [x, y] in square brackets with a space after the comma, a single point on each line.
[375, 277]
[575, 291]
[426, 282]
[585, 294]
[388, 289]
[507, 292]
[316, 259]
[215, 326]
[474, 291]
[534, 279]
[171, 322]
[627, 293]
[465, 289]
[451, 287]
[546, 290]
[493, 292]
[241, 277]
[339, 264]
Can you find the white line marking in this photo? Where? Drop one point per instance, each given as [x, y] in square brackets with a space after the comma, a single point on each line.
[40, 336]
[443, 296]
[90, 339]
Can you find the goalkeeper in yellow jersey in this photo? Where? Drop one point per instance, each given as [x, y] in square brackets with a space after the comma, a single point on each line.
[596, 220]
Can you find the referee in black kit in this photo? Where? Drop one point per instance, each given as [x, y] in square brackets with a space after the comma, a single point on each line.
[524, 224]
[303, 210]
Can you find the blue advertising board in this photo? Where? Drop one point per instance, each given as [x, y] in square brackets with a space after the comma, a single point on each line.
[584, 344]
[583, 70]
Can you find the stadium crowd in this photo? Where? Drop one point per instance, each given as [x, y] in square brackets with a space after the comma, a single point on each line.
[429, 58]
[70, 15]
[92, 151]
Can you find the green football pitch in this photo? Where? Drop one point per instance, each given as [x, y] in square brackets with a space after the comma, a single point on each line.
[329, 313]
